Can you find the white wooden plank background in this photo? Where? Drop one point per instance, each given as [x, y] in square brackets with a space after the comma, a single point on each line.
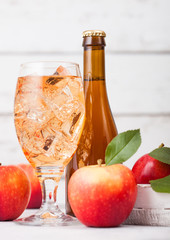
[137, 59]
[55, 25]
[135, 83]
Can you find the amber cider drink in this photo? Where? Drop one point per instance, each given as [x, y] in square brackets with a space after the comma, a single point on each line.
[48, 118]
[99, 128]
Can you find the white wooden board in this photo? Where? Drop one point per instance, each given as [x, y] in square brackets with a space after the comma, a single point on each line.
[135, 83]
[149, 217]
[56, 26]
[10, 229]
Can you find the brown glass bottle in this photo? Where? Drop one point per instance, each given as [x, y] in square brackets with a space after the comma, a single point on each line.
[99, 127]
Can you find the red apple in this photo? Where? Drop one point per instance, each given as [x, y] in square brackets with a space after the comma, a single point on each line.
[148, 168]
[14, 192]
[102, 196]
[36, 194]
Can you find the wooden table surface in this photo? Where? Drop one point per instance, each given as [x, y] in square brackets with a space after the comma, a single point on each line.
[11, 230]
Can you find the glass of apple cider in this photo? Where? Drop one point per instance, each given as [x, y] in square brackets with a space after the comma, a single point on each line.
[49, 116]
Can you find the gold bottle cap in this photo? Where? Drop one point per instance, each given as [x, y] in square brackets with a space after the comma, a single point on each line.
[94, 33]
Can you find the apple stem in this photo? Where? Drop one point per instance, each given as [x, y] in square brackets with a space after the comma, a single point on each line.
[162, 145]
[0, 164]
[99, 162]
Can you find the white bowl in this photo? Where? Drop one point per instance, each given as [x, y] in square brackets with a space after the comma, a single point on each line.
[151, 208]
[148, 198]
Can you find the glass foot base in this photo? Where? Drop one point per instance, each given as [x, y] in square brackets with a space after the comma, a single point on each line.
[49, 214]
[49, 219]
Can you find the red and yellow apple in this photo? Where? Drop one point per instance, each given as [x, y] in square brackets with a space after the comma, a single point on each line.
[36, 193]
[14, 192]
[102, 196]
[148, 168]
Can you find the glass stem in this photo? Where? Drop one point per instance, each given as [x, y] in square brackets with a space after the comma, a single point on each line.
[49, 179]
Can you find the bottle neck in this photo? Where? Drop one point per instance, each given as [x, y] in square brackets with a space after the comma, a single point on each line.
[94, 59]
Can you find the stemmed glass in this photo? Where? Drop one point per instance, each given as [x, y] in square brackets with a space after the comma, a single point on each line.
[49, 115]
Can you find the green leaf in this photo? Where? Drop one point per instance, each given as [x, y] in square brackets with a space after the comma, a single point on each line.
[161, 154]
[122, 147]
[161, 185]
